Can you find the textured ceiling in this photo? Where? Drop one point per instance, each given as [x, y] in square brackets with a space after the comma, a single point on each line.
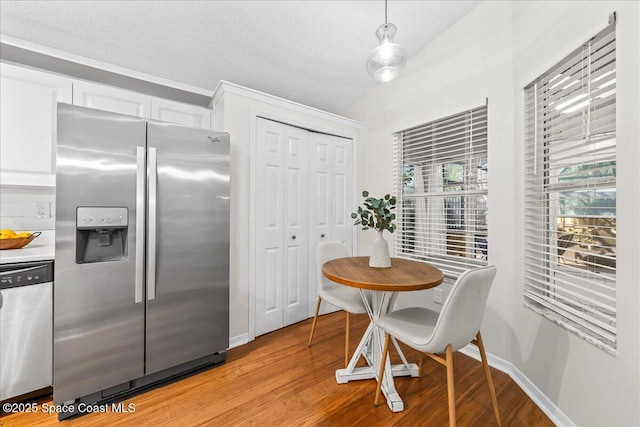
[311, 52]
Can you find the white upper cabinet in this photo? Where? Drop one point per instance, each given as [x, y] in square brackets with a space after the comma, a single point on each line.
[123, 101]
[28, 117]
[108, 98]
[182, 114]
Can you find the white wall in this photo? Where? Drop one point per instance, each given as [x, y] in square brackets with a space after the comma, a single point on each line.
[493, 52]
[19, 208]
[235, 112]
[448, 76]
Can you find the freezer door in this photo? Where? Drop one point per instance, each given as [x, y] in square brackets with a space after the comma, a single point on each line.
[98, 311]
[188, 245]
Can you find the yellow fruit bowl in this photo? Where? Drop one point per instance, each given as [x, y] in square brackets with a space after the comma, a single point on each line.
[18, 242]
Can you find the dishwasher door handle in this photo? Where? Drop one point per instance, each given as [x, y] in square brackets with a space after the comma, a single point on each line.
[20, 270]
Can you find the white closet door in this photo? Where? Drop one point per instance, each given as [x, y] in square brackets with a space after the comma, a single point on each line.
[342, 191]
[270, 232]
[296, 229]
[331, 192]
[281, 225]
[320, 216]
[320, 148]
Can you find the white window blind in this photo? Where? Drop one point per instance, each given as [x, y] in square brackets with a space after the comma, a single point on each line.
[440, 171]
[570, 192]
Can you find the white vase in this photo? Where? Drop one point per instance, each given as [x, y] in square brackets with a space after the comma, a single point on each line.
[380, 253]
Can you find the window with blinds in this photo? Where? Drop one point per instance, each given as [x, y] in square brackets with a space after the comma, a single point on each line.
[570, 192]
[440, 172]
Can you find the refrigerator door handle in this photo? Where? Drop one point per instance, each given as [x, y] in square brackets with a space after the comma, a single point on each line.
[140, 215]
[152, 228]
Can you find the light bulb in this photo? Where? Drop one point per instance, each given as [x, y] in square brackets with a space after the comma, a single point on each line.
[387, 60]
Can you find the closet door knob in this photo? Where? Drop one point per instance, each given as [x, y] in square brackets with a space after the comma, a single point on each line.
[322, 236]
[293, 237]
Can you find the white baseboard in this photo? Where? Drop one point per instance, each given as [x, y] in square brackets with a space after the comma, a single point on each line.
[238, 340]
[538, 397]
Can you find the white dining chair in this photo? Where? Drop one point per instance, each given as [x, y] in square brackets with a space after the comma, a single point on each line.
[343, 297]
[457, 325]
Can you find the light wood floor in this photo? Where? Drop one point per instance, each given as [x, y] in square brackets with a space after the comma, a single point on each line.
[277, 380]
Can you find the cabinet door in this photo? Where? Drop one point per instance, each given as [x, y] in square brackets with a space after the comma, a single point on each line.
[111, 99]
[28, 124]
[179, 113]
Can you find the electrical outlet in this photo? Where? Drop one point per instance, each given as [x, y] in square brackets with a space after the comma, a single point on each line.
[437, 296]
[43, 210]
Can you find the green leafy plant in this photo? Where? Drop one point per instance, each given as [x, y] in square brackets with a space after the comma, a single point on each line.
[376, 213]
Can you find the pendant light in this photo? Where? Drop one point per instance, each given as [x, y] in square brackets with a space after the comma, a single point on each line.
[387, 60]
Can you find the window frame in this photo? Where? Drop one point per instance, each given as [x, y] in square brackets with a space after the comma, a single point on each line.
[421, 181]
[570, 118]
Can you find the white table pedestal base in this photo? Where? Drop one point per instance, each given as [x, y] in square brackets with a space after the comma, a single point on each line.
[394, 402]
[370, 348]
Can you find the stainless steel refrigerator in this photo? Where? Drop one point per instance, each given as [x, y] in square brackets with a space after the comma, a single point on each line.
[141, 290]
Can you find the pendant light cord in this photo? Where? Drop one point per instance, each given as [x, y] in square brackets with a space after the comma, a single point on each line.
[385, 12]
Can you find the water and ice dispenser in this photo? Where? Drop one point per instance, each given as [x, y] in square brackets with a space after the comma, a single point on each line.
[101, 234]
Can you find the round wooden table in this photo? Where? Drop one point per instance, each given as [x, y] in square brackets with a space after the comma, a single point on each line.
[403, 275]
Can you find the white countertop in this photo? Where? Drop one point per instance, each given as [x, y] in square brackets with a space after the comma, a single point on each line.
[42, 248]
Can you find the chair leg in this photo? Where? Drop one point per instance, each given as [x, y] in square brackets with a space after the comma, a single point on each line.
[346, 342]
[487, 375]
[315, 319]
[387, 338]
[450, 388]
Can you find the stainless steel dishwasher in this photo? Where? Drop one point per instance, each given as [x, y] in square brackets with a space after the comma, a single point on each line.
[26, 328]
